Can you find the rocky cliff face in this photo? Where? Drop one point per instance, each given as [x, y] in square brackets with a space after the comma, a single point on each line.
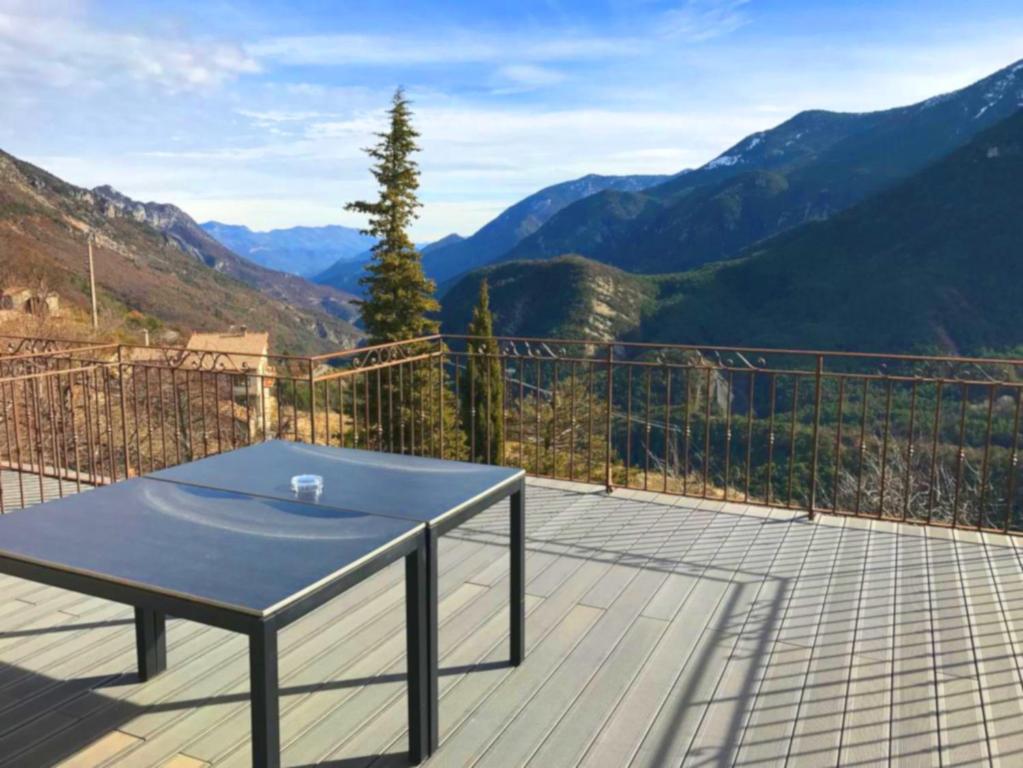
[182, 230]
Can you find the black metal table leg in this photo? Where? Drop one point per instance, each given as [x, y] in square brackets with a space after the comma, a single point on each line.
[418, 651]
[518, 576]
[432, 642]
[150, 642]
[266, 736]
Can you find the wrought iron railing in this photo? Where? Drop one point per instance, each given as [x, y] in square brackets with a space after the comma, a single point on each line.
[903, 437]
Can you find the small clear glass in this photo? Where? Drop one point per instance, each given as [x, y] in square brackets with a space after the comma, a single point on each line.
[307, 487]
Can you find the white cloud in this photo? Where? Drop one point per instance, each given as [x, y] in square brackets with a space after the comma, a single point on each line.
[700, 20]
[40, 48]
[526, 77]
[440, 47]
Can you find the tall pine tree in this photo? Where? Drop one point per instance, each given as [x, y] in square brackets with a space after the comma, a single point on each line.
[409, 408]
[483, 386]
[399, 296]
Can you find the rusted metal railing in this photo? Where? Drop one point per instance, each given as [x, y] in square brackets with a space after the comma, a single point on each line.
[922, 439]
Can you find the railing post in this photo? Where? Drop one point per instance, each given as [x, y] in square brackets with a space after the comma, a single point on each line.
[440, 396]
[818, 380]
[608, 479]
[124, 410]
[312, 400]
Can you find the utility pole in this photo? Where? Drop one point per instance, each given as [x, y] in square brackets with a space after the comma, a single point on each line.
[92, 287]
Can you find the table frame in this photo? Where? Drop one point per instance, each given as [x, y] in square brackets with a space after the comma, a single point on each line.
[152, 606]
[515, 491]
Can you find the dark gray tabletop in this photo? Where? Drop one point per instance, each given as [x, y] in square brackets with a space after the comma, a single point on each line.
[254, 555]
[410, 487]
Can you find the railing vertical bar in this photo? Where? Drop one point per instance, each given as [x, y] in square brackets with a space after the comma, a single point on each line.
[390, 408]
[536, 401]
[686, 427]
[367, 426]
[815, 449]
[964, 392]
[628, 423]
[149, 420]
[123, 409]
[58, 460]
[311, 382]
[728, 435]
[792, 439]
[380, 411]
[1010, 497]
[590, 398]
[36, 435]
[505, 408]
[471, 362]
[982, 508]
[706, 436]
[110, 427]
[87, 410]
[609, 393]
[771, 437]
[933, 479]
[667, 429]
[571, 423]
[836, 488]
[884, 447]
[646, 432]
[863, 445]
[908, 480]
[17, 443]
[74, 434]
[488, 402]
[749, 434]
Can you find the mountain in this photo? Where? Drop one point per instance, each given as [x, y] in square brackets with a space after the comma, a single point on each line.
[305, 251]
[150, 259]
[808, 168]
[344, 275]
[180, 228]
[565, 297]
[933, 263]
[454, 255]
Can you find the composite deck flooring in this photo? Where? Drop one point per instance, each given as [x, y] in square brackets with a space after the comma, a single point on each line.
[662, 632]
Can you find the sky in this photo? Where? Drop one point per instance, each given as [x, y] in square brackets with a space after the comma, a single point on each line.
[256, 113]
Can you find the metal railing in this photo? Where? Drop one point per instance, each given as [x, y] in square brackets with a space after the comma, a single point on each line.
[904, 437]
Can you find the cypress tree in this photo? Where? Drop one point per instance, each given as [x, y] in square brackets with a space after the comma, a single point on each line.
[483, 386]
[399, 296]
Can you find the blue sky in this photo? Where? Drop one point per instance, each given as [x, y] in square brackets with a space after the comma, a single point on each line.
[255, 113]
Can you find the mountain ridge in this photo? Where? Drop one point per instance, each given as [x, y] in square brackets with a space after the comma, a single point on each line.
[303, 250]
[827, 160]
[144, 269]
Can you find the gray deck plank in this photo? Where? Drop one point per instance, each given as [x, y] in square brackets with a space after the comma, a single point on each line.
[865, 733]
[661, 631]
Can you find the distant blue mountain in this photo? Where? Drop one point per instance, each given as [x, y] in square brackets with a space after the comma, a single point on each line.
[344, 274]
[454, 255]
[305, 251]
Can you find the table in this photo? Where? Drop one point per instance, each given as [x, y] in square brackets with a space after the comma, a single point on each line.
[244, 563]
[438, 493]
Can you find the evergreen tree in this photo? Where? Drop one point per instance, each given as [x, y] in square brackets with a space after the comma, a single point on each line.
[410, 409]
[483, 387]
[399, 295]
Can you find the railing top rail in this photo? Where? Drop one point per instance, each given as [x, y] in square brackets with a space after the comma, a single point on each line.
[56, 373]
[226, 352]
[354, 351]
[1015, 361]
[58, 352]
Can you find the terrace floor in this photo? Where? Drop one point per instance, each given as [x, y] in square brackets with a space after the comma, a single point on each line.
[662, 631]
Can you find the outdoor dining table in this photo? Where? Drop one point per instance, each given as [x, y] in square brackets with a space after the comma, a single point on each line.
[226, 541]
